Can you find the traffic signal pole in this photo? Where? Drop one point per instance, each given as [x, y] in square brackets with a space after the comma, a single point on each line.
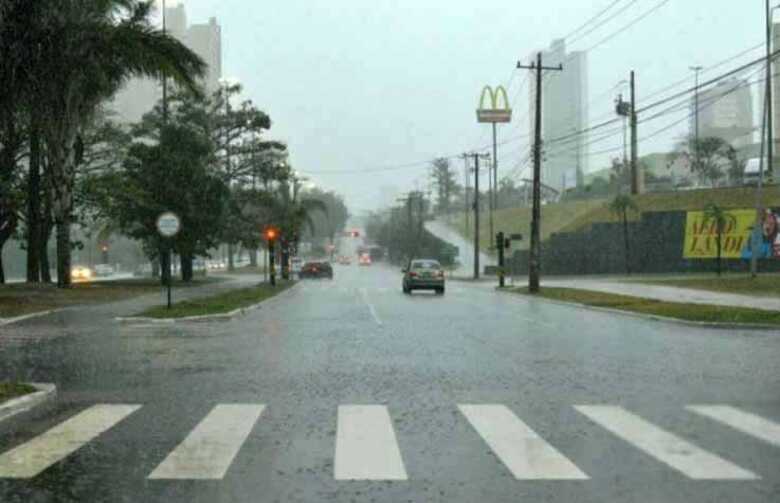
[534, 262]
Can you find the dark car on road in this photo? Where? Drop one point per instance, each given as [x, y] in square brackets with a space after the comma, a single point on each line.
[316, 270]
[423, 274]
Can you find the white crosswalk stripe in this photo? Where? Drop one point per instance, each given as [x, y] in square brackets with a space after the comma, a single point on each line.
[366, 447]
[523, 452]
[209, 450]
[33, 457]
[745, 422]
[690, 460]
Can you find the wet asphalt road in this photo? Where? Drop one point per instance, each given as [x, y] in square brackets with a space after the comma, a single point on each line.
[315, 352]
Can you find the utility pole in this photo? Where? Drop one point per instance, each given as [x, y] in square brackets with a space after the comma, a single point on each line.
[636, 185]
[535, 252]
[770, 133]
[466, 189]
[476, 156]
[696, 69]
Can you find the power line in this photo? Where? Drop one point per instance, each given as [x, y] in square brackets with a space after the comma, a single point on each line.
[592, 19]
[610, 18]
[626, 27]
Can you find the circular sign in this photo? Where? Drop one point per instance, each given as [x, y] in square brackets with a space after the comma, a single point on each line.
[168, 224]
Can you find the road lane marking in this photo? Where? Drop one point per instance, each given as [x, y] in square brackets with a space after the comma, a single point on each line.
[209, 450]
[523, 452]
[364, 294]
[750, 424]
[33, 457]
[366, 447]
[666, 447]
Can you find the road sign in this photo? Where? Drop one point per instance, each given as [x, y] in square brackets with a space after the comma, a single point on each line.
[168, 224]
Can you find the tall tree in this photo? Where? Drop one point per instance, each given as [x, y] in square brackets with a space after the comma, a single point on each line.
[721, 219]
[86, 49]
[621, 205]
[446, 184]
[710, 158]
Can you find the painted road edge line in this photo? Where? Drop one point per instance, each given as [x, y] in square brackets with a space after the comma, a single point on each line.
[38, 314]
[18, 405]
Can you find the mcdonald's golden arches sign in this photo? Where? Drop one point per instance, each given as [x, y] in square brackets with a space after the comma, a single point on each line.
[498, 111]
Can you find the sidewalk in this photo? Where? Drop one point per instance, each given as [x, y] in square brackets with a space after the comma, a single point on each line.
[665, 293]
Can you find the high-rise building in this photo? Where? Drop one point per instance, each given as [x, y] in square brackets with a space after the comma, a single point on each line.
[725, 111]
[140, 95]
[206, 40]
[564, 112]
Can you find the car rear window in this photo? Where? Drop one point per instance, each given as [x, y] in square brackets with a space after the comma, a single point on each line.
[426, 264]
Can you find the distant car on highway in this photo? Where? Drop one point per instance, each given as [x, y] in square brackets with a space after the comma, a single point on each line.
[365, 259]
[296, 264]
[345, 260]
[316, 270]
[104, 270]
[423, 274]
[81, 273]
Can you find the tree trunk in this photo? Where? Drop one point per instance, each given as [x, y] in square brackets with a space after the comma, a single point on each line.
[186, 267]
[230, 252]
[63, 251]
[719, 252]
[253, 257]
[625, 238]
[155, 267]
[285, 263]
[34, 234]
[47, 226]
[2, 270]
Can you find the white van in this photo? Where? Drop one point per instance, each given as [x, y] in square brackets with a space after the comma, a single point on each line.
[752, 171]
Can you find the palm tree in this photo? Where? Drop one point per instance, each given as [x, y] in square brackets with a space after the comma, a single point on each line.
[621, 205]
[722, 219]
[85, 51]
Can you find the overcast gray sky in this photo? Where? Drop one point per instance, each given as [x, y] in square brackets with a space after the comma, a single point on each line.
[356, 85]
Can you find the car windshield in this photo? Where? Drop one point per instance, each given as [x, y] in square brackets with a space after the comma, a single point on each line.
[383, 251]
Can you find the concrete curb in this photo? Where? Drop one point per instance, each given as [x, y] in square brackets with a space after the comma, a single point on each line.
[8, 321]
[24, 403]
[655, 317]
[241, 311]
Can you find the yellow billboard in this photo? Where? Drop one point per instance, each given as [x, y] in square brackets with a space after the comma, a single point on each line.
[701, 236]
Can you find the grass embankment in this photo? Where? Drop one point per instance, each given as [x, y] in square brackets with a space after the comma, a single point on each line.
[9, 390]
[681, 311]
[518, 221]
[21, 299]
[688, 200]
[765, 285]
[218, 304]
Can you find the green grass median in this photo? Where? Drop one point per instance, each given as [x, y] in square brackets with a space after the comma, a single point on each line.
[681, 311]
[9, 390]
[20, 299]
[218, 304]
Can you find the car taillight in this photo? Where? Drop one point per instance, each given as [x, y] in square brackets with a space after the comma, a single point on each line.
[412, 274]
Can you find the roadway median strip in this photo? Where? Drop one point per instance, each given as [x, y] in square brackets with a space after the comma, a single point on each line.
[16, 398]
[694, 314]
[223, 306]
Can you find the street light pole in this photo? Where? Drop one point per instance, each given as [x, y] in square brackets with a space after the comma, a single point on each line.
[769, 131]
[696, 69]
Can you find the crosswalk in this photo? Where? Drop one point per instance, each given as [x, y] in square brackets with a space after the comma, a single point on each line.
[366, 446]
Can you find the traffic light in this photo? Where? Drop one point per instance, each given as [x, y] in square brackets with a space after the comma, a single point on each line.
[271, 234]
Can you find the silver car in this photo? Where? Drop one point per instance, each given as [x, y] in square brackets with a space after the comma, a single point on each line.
[423, 274]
